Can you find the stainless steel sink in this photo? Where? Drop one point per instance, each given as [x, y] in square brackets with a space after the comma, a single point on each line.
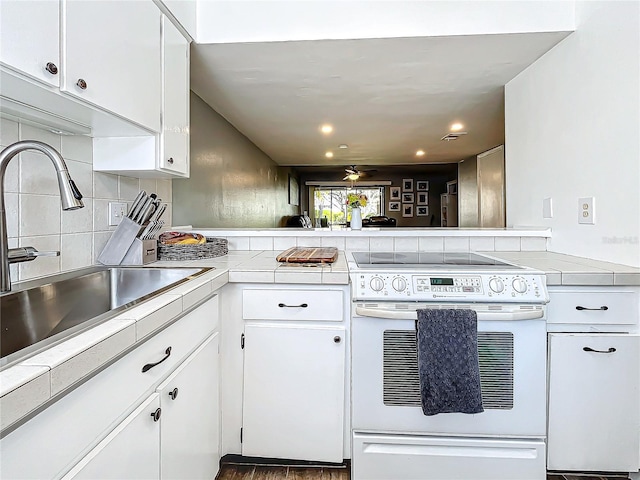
[39, 314]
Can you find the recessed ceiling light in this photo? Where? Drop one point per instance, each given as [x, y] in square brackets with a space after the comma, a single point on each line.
[326, 129]
[329, 154]
[456, 126]
[420, 153]
[343, 145]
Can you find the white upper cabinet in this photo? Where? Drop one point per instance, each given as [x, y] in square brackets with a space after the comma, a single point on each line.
[174, 151]
[111, 57]
[29, 38]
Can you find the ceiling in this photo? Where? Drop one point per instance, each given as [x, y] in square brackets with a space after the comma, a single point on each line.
[385, 98]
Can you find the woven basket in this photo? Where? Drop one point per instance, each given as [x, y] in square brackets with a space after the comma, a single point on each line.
[215, 247]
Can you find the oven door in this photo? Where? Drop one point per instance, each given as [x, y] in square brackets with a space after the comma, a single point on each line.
[386, 387]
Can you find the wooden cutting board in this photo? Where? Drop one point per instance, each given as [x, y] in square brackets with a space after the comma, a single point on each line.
[309, 255]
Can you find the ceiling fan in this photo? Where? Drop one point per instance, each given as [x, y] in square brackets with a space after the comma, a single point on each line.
[354, 174]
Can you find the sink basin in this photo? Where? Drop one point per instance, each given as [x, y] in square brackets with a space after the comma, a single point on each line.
[36, 316]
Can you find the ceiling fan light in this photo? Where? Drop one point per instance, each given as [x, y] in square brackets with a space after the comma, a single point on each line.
[353, 176]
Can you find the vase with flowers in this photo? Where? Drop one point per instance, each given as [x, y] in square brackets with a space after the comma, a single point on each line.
[356, 201]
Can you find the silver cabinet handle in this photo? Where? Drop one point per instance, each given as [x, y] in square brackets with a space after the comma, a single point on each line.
[580, 307]
[82, 84]
[589, 349]
[284, 305]
[51, 68]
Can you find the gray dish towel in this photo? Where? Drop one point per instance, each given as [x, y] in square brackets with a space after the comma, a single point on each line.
[448, 361]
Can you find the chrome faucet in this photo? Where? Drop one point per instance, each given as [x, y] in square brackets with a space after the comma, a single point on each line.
[70, 197]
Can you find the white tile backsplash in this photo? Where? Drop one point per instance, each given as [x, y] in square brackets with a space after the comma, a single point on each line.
[533, 244]
[8, 132]
[37, 174]
[77, 147]
[12, 209]
[405, 244]
[507, 244]
[482, 244]
[32, 199]
[381, 244]
[105, 186]
[76, 251]
[39, 215]
[261, 243]
[431, 244]
[41, 266]
[129, 188]
[456, 244]
[163, 189]
[27, 132]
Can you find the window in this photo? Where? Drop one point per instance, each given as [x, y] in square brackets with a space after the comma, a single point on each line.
[331, 203]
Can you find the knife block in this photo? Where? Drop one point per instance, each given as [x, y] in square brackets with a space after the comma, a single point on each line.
[141, 252]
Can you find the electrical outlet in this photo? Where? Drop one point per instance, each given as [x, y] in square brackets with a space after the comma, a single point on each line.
[586, 210]
[117, 211]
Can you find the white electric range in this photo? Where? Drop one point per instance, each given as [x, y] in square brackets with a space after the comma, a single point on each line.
[392, 439]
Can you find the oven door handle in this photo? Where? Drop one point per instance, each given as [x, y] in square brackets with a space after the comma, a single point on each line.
[412, 315]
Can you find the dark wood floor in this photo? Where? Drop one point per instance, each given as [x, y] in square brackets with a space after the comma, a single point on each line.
[253, 472]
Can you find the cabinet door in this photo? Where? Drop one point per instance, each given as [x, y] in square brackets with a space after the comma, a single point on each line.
[293, 403]
[30, 38]
[593, 402]
[190, 438]
[114, 47]
[132, 450]
[175, 96]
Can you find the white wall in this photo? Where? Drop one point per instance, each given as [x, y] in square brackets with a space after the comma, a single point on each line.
[228, 21]
[34, 215]
[573, 130]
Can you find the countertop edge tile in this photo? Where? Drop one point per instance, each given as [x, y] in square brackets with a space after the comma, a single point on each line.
[14, 377]
[148, 324]
[626, 279]
[20, 401]
[586, 279]
[77, 367]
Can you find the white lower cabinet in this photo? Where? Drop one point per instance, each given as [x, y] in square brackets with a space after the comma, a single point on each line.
[293, 403]
[190, 423]
[130, 451]
[593, 402]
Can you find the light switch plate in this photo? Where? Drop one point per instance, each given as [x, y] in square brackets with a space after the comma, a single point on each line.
[117, 211]
[547, 208]
[586, 210]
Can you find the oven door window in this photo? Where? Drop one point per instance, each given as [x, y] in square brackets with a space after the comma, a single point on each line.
[401, 383]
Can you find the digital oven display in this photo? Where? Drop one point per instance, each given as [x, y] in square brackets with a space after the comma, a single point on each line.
[441, 281]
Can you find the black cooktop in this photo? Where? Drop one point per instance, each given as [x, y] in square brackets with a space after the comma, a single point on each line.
[395, 260]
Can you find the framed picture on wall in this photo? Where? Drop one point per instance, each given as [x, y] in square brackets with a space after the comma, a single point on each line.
[407, 184]
[407, 209]
[294, 191]
[407, 198]
[394, 193]
[423, 198]
[394, 207]
[422, 185]
[422, 211]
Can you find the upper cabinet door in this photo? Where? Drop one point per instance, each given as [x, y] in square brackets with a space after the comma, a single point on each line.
[175, 100]
[30, 38]
[111, 52]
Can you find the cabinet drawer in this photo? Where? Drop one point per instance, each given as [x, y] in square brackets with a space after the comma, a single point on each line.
[595, 307]
[82, 417]
[292, 305]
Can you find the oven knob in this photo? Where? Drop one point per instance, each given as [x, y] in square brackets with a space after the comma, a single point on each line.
[377, 284]
[519, 285]
[399, 284]
[496, 285]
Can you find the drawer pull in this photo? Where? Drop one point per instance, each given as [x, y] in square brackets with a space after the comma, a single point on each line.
[589, 349]
[604, 307]
[156, 414]
[174, 393]
[149, 366]
[302, 305]
[337, 339]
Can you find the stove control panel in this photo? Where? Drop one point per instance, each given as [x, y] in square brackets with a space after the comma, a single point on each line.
[499, 287]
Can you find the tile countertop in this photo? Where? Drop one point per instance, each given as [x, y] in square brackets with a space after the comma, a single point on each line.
[562, 269]
[33, 382]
